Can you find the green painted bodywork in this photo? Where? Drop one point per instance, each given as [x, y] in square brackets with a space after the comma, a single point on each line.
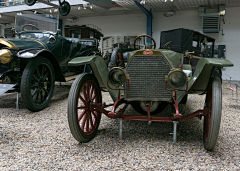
[63, 49]
[23, 44]
[99, 69]
[197, 83]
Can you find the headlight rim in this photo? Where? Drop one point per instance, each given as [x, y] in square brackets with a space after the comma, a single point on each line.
[125, 76]
[177, 70]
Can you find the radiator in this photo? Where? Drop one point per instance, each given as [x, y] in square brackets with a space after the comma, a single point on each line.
[147, 79]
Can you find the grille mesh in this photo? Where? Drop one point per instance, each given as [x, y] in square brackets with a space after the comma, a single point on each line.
[147, 79]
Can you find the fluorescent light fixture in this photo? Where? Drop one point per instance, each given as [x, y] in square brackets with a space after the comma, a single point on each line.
[85, 6]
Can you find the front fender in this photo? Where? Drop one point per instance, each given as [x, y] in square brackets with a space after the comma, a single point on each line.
[32, 53]
[99, 69]
[204, 69]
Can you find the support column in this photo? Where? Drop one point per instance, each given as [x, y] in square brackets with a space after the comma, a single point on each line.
[149, 20]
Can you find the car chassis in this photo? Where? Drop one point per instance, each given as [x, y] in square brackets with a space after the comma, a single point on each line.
[175, 119]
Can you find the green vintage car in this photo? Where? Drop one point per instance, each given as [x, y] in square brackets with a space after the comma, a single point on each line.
[31, 62]
[149, 79]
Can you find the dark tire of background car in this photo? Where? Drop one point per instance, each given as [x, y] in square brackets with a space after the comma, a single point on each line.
[74, 97]
[35, 81]
[30, 2]
[114, 60]
[66, 8]
[136, 106]
[211, 124]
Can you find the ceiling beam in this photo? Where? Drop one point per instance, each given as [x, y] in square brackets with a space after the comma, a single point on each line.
[92, 10]
[176, 3]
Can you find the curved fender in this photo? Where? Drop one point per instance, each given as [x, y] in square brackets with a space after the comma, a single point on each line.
[99, 69]
[32, 53]
[204, 69]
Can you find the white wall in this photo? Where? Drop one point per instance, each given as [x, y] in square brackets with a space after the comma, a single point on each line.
[191, 20]
[116, 25]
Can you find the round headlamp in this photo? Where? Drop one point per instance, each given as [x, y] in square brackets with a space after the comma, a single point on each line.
[5, 56]
[117, 76]
[177, 79]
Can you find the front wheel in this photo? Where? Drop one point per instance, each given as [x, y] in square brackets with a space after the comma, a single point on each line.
[83, 118]
[212, 120]
[37, 84]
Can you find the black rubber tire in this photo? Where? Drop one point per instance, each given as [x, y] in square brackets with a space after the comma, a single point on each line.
[184, 99]
[73, 100]
[41, 83]
[30, 2]
[212, 121]
[114, 60]
[136, 106]
[66, 8]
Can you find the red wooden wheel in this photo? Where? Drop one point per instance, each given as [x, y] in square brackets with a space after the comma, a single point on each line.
[83, 118]
[88, 118]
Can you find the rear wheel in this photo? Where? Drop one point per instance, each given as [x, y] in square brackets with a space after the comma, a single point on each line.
[116, 59]
[212, 120]
[142, 109]
[83, 119]
[37, 84]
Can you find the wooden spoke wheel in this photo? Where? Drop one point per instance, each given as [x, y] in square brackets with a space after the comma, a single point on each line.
[37, 84]
[212, 120]
[83, 118]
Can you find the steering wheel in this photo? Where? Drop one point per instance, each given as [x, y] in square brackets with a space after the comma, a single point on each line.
[29, 25]
[166, 44]
[144, 45]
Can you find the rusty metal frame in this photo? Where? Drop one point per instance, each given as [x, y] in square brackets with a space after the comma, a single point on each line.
[120, 113]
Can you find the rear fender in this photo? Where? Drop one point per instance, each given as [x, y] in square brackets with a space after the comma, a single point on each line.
[32, 53]
[99, 69]
[205, 68]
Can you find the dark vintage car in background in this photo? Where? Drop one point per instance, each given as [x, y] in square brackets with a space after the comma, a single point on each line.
[148, 80]
[34, 59]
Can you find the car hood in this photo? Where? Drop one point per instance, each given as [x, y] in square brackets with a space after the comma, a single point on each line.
[22, 44]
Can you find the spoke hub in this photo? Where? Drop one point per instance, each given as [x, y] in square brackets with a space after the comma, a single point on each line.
[41, 83]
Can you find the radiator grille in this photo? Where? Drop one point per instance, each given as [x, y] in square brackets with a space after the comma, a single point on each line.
[147, 79]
